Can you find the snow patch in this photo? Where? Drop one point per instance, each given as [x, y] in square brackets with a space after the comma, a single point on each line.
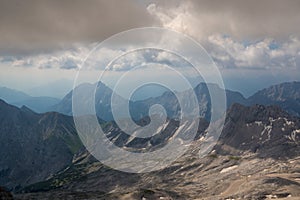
[288, 123]
[267, 130]
[228, 169]
[259, 123]
[294, 135]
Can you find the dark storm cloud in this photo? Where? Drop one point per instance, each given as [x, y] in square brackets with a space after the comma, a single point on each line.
[260, 18]
[40, 25]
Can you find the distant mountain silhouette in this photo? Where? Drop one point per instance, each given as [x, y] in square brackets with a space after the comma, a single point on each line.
[10, 95]
[285, 95]
[140, 109]
[102, 100]
[18, 98]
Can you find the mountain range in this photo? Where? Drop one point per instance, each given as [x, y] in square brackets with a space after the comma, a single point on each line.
[258, 152]
[38, 104]
[285, 95]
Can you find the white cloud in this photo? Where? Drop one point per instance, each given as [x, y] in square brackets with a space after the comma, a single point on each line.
[63, 59]
[141, 59]
[176, 18]
[263, 54]
[225, 50]
[73, 59]
[164, 56]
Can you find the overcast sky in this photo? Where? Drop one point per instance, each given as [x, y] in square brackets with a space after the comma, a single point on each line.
[253, 42]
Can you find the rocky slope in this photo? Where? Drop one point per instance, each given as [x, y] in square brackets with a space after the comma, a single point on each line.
[33, 146]
[257, 157]
[266, 130]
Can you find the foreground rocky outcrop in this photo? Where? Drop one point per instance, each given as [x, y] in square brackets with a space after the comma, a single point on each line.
[5, 195]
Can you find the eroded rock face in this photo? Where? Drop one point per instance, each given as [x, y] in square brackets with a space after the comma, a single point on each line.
[266, 130]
